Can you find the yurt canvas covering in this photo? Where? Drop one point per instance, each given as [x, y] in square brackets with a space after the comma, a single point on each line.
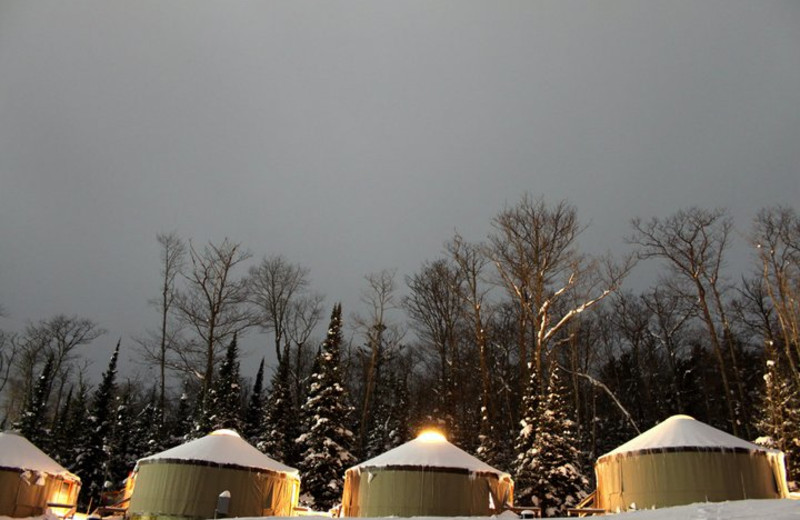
[186, 481]
[425, 477]
[30, 480]
[683, 461]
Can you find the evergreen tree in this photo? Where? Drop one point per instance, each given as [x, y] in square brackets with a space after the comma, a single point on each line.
[549, 471]
[75, 429]
[93, 452]
[279, 427]
[60, 436]
[31, 424]
[327, 440]
[389, 427]
[225, 396]
[181, 427]
[255, 408]
[122, 455]
[149, 431]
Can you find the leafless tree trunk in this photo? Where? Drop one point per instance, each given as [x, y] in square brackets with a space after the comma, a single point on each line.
[776, 236]
[156, 347]
[693, 243]
[670, 314]
[471, 261]
[380, 336]
[436, 308]
[213, 304]
[534, 248]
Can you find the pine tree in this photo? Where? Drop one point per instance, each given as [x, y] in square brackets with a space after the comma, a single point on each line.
[225, 396]
[549, 471]
[32, 420]
[279, 427]
[93, 450]
[255, 408]
[327, 440]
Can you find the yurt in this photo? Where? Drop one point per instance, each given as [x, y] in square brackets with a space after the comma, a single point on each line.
[30, 481]
[425, 477]
[683, 461]
[188, 480]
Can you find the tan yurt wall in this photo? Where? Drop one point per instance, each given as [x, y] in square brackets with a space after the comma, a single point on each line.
[423, 492]
[182, 489]
[24, 494]
[669, 478]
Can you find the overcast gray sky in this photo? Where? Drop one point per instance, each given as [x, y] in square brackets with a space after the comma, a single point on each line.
[356, 136]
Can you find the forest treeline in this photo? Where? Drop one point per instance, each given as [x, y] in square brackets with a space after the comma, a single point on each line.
[524, 349]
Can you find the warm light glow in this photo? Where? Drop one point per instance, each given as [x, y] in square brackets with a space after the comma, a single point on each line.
[431, 436]
[231, 433]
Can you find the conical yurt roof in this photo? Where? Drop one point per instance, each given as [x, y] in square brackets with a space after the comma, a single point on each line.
[429, 450]
[683, 431]
[17, 452]
[222, 447]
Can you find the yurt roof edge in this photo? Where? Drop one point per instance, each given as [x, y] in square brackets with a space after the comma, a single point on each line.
[682, 433]
[222, 449]
[418, 454]
[18, 453]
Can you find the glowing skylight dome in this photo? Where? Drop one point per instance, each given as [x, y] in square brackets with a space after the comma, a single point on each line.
[431, 436]
[230, 433]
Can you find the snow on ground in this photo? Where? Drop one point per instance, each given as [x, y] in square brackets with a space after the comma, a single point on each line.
[784, 509]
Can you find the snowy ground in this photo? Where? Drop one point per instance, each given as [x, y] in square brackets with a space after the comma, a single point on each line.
[740, 510]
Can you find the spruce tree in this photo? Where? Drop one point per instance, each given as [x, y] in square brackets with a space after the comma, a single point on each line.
[32, 420]
[93, 451]
[149, 432]
[327, 441]
[255, 408]
[549, 471]
[122, 453]
[76, 430]
[225, 396]
[279, 427]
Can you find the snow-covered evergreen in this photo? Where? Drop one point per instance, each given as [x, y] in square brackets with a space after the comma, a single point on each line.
[254, 413]
[92, 452]
[548, 468]
[279, 427]
[32, 419]
[327, 441]
[225, 396]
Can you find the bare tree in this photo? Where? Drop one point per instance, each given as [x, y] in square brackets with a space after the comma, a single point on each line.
[436, 311]
[279, 290]
[776, 236]
[58, 337]
[213, 305]
[693, 242]
[534, 247]
[380, 335]
[471, 262]
[157, 346]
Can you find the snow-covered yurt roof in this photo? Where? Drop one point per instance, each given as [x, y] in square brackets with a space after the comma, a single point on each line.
[223, 447]
[17, 452]
[683, 431]
[429, 450]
